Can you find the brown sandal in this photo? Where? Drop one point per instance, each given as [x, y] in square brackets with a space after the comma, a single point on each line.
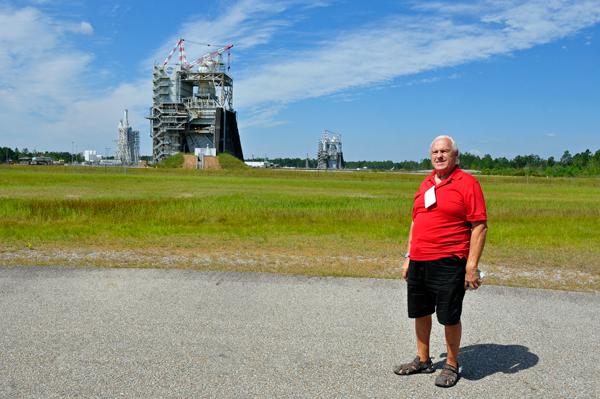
[417, 366]
[448, 377]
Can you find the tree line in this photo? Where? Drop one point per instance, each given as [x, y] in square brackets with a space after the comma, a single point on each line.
[583, 163]
[14, 155]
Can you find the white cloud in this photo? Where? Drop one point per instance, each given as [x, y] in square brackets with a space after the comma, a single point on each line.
[475, 152]
[45, 91]
[447, 35]
[550, 135]
[84, 28]
[246, 23]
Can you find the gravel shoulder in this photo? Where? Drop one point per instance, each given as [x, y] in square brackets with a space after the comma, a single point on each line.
[146, 333]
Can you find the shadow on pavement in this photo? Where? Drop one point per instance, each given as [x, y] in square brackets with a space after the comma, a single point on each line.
[479, 361]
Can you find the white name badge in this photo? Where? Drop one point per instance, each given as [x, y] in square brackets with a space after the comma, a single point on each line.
[430, 197]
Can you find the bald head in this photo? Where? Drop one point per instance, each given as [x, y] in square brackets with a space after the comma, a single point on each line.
[453, 144]
[444, 155]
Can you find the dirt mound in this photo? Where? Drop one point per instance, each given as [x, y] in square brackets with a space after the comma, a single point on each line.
[190, 162]
[211, 163]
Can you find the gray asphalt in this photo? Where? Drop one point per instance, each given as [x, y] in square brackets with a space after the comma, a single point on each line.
[139, 333]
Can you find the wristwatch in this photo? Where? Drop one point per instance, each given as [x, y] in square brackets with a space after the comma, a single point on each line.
[407, 255]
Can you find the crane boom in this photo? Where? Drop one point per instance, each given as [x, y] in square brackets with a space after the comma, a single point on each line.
[208, 57]
[182, 57]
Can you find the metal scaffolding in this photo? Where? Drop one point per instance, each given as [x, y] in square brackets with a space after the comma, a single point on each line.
[193, 109]
[128, 143]
[329, 152]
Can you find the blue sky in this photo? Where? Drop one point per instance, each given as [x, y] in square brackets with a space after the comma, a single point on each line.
[503, 77]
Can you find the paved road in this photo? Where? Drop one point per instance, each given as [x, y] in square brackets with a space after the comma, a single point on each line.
[137, 333]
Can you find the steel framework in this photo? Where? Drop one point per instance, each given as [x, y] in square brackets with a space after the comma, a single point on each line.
[193, 109]
[329, 152]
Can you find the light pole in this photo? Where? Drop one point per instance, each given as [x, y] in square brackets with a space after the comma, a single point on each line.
[72, 150]
[76, 151]
[106, 161]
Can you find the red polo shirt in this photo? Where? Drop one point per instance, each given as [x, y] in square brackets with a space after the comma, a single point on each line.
[444, 229]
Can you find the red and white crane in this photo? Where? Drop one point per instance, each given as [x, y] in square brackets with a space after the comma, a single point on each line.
[182, 58]
[204, 58]
[208, 56]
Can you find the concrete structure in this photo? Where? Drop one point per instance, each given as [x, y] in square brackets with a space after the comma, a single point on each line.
[193, 109]
[329, 152]
[204, 152]
[91, 156]
[128, 144]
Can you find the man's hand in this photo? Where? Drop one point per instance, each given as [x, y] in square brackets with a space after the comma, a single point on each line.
[472, 279]
[405, 268]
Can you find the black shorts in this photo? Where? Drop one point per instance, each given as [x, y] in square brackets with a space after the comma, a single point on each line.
[437, 286]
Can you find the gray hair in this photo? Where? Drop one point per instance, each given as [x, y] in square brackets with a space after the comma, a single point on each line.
[453, 143]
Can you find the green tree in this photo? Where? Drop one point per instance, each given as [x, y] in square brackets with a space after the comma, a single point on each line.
[566, 159]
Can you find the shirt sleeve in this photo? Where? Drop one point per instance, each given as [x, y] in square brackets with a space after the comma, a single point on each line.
[475, 203]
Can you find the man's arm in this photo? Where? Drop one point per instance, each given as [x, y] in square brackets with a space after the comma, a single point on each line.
[478, 233]
[407, 260]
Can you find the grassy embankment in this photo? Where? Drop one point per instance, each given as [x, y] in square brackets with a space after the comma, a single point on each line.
[541, 234]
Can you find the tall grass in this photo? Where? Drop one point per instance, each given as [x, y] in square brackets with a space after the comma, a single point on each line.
[337, 223]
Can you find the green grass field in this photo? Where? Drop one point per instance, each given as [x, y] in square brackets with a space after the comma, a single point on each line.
[542, 233]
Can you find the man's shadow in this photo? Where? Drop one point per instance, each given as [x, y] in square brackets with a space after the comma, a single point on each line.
[479, 361]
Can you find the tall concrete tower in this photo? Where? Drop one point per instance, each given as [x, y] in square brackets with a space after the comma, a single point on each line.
[128, 143]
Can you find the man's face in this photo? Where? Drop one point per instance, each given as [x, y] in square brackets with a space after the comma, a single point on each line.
[443, 158]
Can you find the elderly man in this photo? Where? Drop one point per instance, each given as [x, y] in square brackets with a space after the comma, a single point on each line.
[447, 236]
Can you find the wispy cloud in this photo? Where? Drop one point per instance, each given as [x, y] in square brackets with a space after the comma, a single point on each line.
[245, 23]
[45, 89]
[442, 35]
[551, 135]
[83, 28]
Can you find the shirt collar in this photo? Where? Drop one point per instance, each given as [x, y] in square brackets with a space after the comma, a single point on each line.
[455, 175]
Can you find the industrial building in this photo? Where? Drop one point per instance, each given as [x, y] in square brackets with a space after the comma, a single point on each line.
[329, 152]
[90, 156]
[128, 143]
[193, 106]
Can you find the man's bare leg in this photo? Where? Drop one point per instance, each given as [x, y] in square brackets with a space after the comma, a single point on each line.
[423, 330]
[453, 335]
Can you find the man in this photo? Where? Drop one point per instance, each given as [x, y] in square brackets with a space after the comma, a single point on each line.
[446, 239]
